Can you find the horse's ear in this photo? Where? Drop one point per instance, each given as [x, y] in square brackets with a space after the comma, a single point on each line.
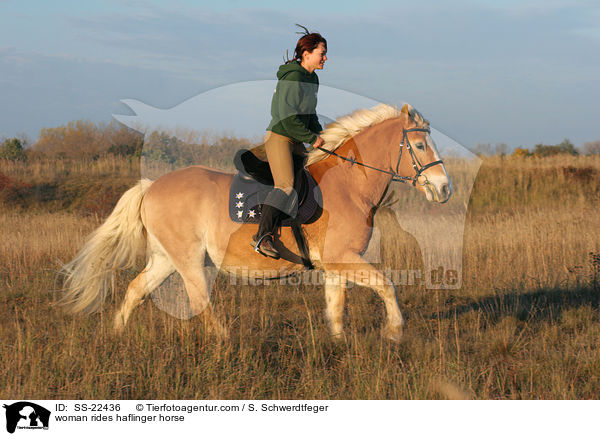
[407, 110]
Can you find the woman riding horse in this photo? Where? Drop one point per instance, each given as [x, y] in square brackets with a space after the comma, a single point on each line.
[294, 122]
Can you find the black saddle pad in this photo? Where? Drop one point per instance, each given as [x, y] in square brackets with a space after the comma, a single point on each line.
[252, 167]
[254, 181]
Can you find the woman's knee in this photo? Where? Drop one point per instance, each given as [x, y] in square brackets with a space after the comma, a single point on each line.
[287, 189]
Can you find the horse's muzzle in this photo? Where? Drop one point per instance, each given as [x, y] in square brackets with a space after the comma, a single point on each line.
[439, 193]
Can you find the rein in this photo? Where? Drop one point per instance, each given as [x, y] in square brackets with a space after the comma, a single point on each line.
[418, 167]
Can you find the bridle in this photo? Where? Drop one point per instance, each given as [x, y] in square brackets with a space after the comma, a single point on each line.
[418, 167]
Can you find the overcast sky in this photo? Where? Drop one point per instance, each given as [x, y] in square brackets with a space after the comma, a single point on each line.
[518, 72]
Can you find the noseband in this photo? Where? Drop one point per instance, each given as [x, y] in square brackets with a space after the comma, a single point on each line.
[395, 176]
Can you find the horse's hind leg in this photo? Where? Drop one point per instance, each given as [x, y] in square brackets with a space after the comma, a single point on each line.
[158, 268]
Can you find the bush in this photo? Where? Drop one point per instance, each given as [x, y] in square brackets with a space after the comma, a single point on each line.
[565, 147]
[84, 139]
[126, 150]
[13, 192]
[521, 152]
[12, 149]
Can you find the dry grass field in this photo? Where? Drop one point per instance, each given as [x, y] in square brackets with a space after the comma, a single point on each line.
[524, 325]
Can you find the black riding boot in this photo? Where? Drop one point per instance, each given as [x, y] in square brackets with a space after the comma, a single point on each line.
[276, 206]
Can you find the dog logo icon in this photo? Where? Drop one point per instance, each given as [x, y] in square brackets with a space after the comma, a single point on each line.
[26, 415]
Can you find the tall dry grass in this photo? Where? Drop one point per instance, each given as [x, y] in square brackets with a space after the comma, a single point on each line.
[525, 323]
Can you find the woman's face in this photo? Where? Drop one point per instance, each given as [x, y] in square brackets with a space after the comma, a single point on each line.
[315, 59]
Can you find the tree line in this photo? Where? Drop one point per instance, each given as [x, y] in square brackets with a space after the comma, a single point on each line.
[75, 140]
[539, 150]
[85, 139]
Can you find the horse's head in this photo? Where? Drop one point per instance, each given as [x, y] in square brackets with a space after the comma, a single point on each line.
[419, 161]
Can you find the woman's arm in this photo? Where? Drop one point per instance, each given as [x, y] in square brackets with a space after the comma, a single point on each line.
[314, 125]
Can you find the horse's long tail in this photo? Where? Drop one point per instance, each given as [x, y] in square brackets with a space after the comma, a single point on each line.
[113, 245]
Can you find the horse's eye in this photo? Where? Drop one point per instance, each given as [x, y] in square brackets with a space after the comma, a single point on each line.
[420, 146]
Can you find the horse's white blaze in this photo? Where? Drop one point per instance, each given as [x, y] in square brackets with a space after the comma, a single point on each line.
[441, 182]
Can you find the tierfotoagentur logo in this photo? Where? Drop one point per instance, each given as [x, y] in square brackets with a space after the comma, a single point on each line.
[25, 415]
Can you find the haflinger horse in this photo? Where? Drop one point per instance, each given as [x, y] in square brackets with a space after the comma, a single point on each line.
[183, 216]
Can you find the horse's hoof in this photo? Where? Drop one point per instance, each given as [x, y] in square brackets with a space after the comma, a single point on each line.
[118, 325]
[338, 338]
[393, 333]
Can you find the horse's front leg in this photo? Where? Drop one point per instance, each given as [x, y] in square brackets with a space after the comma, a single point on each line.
[335, 295]
[356, 270]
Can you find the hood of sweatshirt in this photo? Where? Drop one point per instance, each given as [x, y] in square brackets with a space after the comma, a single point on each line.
[292, 66]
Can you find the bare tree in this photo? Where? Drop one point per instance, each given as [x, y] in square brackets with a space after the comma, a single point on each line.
[592, 147]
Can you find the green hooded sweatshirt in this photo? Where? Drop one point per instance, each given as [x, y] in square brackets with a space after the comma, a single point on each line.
[294, 104]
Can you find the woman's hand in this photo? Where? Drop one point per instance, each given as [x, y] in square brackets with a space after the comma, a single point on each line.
[319, 142]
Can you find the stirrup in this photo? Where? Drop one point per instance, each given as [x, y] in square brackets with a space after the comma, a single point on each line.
[257, 247]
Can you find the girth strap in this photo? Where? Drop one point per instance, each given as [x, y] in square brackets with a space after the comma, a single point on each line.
[302, 244]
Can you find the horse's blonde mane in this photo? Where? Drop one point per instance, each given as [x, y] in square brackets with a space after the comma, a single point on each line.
[345, 127]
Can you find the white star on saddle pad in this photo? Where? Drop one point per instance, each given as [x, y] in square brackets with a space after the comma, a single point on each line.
[239, 195]
[239, 213]
[251, 213]
[239, 204]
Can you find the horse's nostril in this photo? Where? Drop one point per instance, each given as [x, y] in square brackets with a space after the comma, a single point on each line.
[445, 190]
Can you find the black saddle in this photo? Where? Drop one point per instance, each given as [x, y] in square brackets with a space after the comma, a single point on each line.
[254, 181]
